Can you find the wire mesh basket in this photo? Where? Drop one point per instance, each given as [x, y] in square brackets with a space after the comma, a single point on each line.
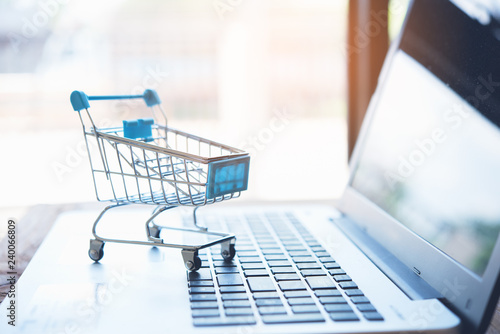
[147, 162]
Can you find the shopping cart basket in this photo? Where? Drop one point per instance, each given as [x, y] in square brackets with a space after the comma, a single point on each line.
[145, 162]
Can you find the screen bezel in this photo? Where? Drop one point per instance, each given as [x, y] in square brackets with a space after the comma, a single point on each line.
[474, 298]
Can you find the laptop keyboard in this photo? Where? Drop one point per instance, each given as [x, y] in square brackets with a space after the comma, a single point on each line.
[280, 274]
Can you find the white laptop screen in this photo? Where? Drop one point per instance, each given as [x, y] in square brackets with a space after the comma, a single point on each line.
[431, 156]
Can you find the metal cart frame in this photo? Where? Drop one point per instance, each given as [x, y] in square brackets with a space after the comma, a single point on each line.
[150, 163]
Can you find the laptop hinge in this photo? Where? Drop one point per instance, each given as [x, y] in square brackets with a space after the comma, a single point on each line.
[405, 278]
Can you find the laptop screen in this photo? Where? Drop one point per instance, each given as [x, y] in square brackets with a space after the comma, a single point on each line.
[431, 157]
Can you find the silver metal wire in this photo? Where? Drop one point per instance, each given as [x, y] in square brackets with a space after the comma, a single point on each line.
[172, 169]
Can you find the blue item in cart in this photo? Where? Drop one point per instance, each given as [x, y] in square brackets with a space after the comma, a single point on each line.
[227, 176]
[139, 129]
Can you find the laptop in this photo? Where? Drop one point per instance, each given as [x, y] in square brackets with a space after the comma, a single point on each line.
[411, 247]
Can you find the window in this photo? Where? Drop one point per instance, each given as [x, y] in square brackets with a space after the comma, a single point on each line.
[265, 76]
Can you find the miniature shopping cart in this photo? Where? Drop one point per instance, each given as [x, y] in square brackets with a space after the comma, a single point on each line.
[147, 162]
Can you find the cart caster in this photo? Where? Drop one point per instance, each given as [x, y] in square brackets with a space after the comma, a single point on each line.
[193, 265]
[96, 250]
[228, 251]
[192, 261]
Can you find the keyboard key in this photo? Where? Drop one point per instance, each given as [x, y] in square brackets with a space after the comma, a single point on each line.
[268, 302]
[273, 264]
[234, 296]
[200, 275]
[304, 259]
[242, 248]
[265, 295]
[265, 240]
[328, 293]
[286, 277]
[232, 289]
[273, 251]
[332, 265]
[201, 289]
[327, 259]
[200, 283]
[320, 282]
[291, 285]
[337, 308]
[366, 308]
[373, 316]
[226, 270]
[336, 272]
[283, 270]
[343, 316]
[275, 257]
[342, 278]
[198, 305]
[236, 303]
[359, 300]
[202, 297]
[217, 257]
[258, 265]
[297, 294]
[261, 284]
[309, 265]
[297, 247]
[272, 310]
[205, 313]
[229, 321]
[256, 272]
[354, 293]
[300, 317]
[238, 311]
[245, 255]
[305, 309]
[292, 242]
[323, 254]
[229, 279]
[313, 272]
[299, 253]
[332, 300]
[301, 301]
[224, 264]
[348, 285]
[271, 246]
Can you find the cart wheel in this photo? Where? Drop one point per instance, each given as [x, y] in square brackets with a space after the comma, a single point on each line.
[228, 255]
[193, 265]
[96, 250]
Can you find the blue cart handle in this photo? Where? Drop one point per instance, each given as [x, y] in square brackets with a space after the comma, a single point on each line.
[80, 100]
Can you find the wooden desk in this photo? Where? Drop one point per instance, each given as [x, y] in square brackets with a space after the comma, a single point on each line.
[33, 228]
